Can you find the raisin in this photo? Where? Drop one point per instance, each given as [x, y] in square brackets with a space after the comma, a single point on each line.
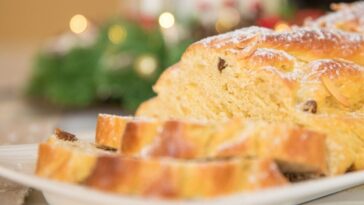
[221, 65]
[106, 148]
[62, 135]
[310, 106]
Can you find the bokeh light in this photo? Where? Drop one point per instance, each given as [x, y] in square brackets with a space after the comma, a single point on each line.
[282, 26]
[78, 23]
[166, 20]
[116, 34]
[146, 65]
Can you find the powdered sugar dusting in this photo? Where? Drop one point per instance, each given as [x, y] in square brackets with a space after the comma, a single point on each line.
[331, 68]
[284, 75]
[113, 117]
[341, 44]
[348, 13]
[272, 53]
[234, 37]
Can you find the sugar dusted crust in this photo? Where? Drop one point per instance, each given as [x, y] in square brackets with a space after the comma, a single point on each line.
[303, 43]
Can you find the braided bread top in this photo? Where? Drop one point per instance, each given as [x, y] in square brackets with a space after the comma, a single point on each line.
[305, 44]
[322, 65]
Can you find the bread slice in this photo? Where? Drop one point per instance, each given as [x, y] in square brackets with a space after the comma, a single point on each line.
[345, 139]
[64, 158]
[295, 148]
[82, 163]
[110, 129]
[110, 137]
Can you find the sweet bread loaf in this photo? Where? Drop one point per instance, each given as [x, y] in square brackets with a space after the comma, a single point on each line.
[281, 74]
[296, 149]
[85, 164]
[311, 76]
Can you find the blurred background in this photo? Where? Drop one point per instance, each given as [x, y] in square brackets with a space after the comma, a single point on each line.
[62, 62]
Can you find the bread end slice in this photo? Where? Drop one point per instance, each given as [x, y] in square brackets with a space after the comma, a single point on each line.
[60, 160]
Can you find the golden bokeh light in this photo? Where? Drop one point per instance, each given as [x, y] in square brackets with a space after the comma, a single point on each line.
[78, 23]
[146, 65]
[116, 34]
[166, 20]
[282, 26]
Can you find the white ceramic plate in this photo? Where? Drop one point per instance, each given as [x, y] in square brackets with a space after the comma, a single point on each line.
[17, 163]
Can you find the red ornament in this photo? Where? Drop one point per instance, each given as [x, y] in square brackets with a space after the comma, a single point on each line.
[268, 22]
[147, 22]
[304, 14]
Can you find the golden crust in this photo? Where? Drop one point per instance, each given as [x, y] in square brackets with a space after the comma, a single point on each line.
[177, 179]
[137, 134]
[110, 137]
